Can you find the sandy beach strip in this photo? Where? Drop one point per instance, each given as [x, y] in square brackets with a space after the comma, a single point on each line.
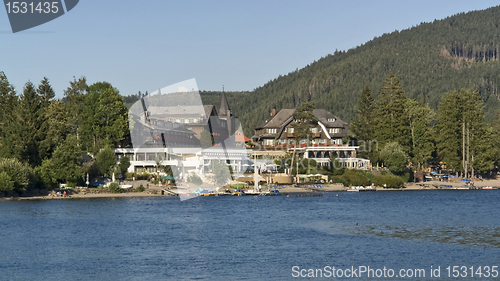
[432, 185]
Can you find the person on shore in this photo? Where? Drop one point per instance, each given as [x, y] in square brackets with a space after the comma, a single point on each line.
[58, 193]
[64, 194]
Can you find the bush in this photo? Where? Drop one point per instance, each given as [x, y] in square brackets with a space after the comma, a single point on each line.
[71, 184]
[20, 174]
[339, 179]
[391, 181]
[142, 176]
[129, 176]
[353, 178]
[140, 188]
[114, 187]
[406, 176]
[394, 157]
[356, 178]
[45, 174]
[6, 183]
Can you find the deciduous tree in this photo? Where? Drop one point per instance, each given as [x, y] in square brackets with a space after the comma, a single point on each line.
[67, 159]
[106, 161]
[394, 157]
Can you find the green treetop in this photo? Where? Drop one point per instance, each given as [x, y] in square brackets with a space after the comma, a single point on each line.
[105, 117]
[420, 118]
[363, 125]
[391, 121]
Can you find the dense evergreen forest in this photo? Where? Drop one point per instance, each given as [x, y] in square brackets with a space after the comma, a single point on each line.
[431, 59]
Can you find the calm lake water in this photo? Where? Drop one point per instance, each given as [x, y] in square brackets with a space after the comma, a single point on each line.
[248, 238]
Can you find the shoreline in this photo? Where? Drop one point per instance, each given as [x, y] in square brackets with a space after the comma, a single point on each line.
[285, 190]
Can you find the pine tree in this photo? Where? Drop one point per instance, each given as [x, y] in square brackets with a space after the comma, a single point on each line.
[391, 121]
[45, 91]
[74, 97]
[449, 130]
[456, 110]
[363, 125]
[46, 94]
[481, 150]
[23, 132]
[8, 100]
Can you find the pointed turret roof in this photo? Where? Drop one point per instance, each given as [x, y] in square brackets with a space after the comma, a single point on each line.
[224, 105]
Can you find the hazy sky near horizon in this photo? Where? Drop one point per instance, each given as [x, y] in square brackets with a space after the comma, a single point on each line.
[149, 44]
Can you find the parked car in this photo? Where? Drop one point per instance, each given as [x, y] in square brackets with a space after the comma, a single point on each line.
[97, 184]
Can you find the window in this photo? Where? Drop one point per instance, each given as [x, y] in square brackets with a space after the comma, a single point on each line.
[337, 141]
[191, 120]
[314, 130]
[331, 119]
[334, 130]
[269, 142]
[271, 131]
[291, 130]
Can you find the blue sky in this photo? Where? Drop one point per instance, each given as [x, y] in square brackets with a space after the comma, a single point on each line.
[149, 44]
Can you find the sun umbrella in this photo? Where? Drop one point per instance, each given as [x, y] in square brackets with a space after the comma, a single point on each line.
[465, 180]
[167, 178]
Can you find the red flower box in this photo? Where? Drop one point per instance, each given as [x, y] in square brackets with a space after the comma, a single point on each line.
[315, 144]
[304, 145]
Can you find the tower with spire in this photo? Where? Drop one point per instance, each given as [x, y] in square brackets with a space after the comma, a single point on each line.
[225, 114]
[224, 109]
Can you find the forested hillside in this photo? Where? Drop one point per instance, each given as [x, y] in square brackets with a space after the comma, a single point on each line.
[461, 51]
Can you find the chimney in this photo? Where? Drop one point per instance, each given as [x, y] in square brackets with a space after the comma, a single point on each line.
[273, 112]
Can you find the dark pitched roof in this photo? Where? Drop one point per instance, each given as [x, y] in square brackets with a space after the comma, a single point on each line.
[323, 117]
[277, 120]
[224, 105]
[208, 110]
